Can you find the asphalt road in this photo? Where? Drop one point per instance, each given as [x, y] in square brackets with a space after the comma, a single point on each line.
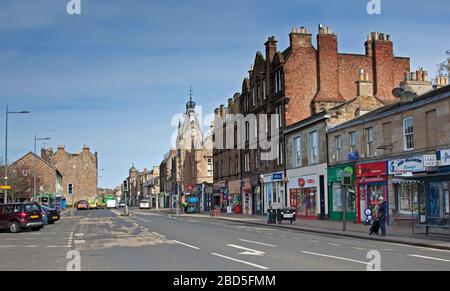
[105, 240]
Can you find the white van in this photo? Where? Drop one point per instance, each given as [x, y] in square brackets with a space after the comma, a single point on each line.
[144, 204]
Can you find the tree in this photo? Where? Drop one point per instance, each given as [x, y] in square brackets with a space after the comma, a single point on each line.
[444, 67]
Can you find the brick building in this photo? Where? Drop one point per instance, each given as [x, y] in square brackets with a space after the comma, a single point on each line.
[48, 177]
[79, 169]
[299, 82]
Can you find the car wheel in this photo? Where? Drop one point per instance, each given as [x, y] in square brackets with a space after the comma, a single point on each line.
[14, 227]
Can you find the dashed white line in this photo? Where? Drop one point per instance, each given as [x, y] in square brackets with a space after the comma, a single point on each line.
[240, 261]
[79, 242]
[160, 235]
[429, 258]
[187, 245]
[258, 243]
[337, 258]
[314, 241]
[79, 234]
[332, 244]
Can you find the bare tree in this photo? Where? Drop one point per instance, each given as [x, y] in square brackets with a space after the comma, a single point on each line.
[444, 67]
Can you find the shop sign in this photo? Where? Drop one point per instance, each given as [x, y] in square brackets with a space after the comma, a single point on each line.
[406, 166]
[307, 182]
[371, 169]
[353, 156]
[445, 158]
[277, 176]
[429, 161]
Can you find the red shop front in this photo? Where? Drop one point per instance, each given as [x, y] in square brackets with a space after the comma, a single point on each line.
[371, 184]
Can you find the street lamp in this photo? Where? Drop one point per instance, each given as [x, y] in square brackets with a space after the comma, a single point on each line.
[34, 163]
[261, 180]
[6, 147]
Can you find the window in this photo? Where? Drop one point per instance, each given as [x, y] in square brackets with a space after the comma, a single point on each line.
[253, 97]
[280, 154]
[264, 89]
[408, 131]
[296, 150]
[279, 112]
[247, 162]
[279, 81]
[387, 137]
[369, 141]
[313, 147]
[431, 128]
[210, 167]
[247, 131]
[338, 142]
[352, 138]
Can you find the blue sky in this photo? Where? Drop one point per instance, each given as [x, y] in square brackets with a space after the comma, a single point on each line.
[113, 77]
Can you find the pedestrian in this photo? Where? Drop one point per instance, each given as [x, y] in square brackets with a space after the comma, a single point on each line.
[185, 205]
[381, 214]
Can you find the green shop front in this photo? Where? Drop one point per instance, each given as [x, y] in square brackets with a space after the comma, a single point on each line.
[337, 191]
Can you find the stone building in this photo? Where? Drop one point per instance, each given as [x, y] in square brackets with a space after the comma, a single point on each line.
[228, 184]
[399, 152]
[80, 169]
[48, 178]
[302, 81]
[193, 165]
[167, 178]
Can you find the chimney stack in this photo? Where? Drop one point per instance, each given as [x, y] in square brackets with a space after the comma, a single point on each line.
[364, 85]
[416, 82]
[300, 37]
[441, 81]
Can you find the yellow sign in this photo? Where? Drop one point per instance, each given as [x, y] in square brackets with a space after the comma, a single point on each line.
[5, 188]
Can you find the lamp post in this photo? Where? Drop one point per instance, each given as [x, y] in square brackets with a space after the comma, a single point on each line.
[261, 180]
[34, 164]
[6, 147]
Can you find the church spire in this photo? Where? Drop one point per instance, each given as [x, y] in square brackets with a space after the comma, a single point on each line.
[191, 104]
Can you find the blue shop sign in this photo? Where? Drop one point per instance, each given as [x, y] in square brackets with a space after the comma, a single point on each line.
[353, 156]
[277, 176]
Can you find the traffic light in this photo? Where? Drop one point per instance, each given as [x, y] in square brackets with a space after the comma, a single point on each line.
[125, 185]
[346, 179]
[70, 189]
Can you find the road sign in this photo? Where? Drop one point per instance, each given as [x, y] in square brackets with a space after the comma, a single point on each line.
[5, 187]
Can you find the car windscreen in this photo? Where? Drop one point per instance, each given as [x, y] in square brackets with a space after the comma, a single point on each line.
[28, 208]
[144, 201]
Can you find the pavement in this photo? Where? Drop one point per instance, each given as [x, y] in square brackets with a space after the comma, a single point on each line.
[395, 233]
[155, 241]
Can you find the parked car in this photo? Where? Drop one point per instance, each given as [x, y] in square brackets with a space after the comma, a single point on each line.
[82, 204]
[51, 215]
[21, 216]
[144, 204]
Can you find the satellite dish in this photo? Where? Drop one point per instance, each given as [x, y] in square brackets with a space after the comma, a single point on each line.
[397, 92]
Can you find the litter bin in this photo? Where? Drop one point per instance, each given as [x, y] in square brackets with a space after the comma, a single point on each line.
[271, 216]
[286, 214]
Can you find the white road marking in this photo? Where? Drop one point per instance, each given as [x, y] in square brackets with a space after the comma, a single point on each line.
[359, 249]
[429, 258]
[79, 234]
[146, 229]
[336, 245]
[314, 241]
[258, 243]
[248, 252]
[187, 245]
[240, 261]
[8, 246]
[160, 235]
[57, 246]
[79, 242]
[416, 247]
[334, 257]
[31, 246]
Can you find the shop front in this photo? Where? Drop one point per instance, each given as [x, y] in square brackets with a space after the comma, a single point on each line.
[439, 197]
[338, 194]
[371, 184]
[234, 199]
[247, 197]
[307, 191]
[409, 194]
[273, 191]
[219, 192]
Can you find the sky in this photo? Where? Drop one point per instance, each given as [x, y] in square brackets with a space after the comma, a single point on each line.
[114, 76]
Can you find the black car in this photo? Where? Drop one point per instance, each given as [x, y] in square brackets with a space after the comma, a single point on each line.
[51, 214]
[21, 216]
